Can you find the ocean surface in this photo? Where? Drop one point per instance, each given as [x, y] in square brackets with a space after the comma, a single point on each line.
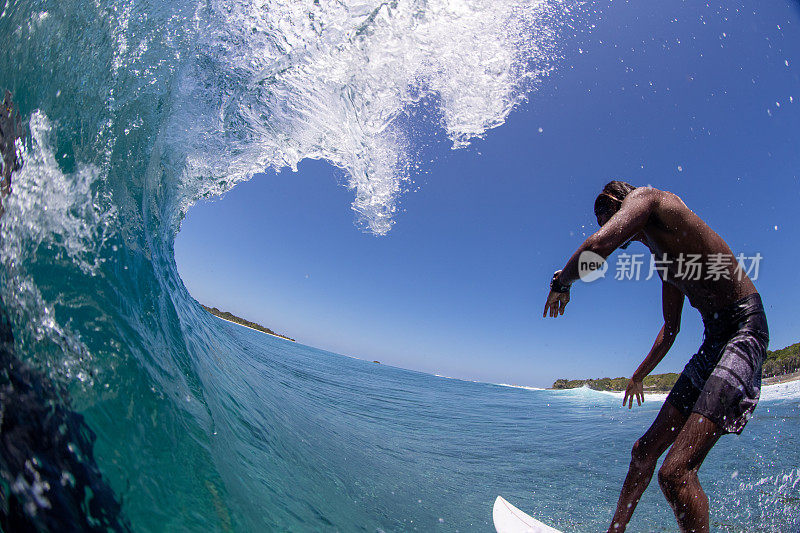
[133, 408]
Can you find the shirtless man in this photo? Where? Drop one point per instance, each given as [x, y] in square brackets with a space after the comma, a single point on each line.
[720, 386]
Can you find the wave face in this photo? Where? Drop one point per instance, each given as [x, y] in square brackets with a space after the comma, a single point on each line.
[135, 110]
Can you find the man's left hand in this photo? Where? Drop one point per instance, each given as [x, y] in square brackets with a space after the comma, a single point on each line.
[556, 302]
[635, 389]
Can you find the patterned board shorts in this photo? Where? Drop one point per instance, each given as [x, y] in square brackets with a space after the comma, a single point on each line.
[722, 381]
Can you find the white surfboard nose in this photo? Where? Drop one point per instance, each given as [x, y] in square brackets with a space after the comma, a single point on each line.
[509, 519]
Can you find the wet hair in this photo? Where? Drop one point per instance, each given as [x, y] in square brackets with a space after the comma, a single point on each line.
[610, 199]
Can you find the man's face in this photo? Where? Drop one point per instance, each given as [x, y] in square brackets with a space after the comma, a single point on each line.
[603, 218]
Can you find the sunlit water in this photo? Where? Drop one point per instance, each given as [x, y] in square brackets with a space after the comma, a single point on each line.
[135, 110]
[358, 445]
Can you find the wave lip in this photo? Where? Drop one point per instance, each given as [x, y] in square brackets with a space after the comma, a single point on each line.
[281, 82]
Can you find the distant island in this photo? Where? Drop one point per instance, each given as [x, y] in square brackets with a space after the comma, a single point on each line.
[779, 364]
[230, 317]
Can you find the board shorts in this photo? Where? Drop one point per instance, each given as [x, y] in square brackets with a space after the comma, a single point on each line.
[722, 381]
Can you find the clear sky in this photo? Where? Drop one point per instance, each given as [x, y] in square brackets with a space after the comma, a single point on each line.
[702, 101]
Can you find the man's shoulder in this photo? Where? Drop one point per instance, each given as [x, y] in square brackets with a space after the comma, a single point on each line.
[664, 208]
[647, 190]
[645, 196]
[655, 197]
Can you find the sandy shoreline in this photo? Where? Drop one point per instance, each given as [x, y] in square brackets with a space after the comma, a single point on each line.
[766, 382]
[783, 386]
[777, 380]
[248, 327]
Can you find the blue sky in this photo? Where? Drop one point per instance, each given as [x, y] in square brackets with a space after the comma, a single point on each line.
[702, 101]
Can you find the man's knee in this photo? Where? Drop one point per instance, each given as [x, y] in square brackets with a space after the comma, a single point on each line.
[672, 476]
[643, 455]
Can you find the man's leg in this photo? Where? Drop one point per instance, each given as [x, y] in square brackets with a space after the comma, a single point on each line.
[644, 455]
[678, 474]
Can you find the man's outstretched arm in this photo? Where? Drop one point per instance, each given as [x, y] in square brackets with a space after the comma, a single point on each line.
[621, 228]
[672, 307]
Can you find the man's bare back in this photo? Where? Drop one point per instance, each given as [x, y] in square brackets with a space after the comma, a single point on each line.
[674, 229]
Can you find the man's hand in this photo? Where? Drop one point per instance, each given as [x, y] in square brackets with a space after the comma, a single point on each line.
[634, 389]
[556, 302]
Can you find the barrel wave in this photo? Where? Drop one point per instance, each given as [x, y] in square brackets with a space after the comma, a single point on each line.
[132, 112]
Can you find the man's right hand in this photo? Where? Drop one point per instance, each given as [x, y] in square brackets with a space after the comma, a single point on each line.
[634, 389]
[556, 302]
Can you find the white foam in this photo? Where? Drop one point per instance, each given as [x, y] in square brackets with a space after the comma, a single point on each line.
[781, 391]
[519, 386]
[648, 396]
[279, 81]
[50, 208]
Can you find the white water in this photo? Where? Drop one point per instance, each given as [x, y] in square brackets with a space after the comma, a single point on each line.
[277, 82]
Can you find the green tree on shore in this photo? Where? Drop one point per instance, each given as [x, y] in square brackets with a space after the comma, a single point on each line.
[778, 363]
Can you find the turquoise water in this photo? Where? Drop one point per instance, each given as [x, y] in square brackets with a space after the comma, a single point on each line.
[361, 446]
[132, 112]
[306, 439]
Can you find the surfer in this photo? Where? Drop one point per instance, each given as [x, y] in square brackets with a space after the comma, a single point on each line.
[720, 386]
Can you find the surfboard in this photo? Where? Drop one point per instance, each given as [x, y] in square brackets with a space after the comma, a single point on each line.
[509, 519]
